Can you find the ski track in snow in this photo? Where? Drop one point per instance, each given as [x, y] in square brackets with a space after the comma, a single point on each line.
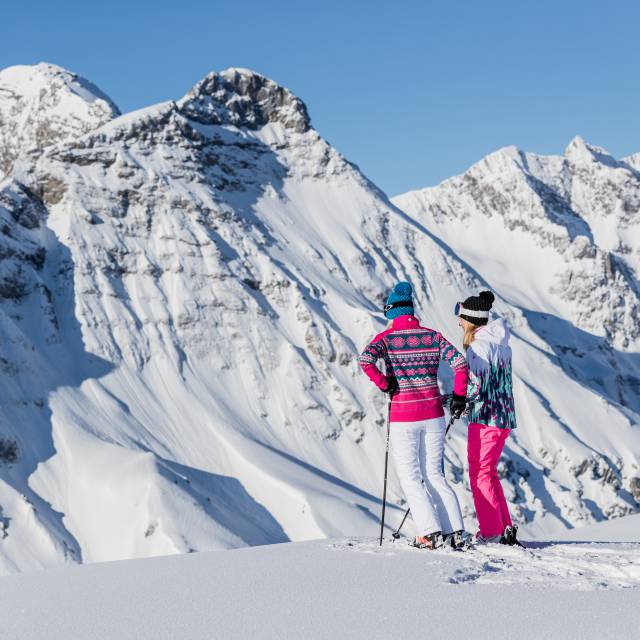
[573, 566]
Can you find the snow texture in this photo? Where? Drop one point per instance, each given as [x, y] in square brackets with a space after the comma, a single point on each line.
[337, 589]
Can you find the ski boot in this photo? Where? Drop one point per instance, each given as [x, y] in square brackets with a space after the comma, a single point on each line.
[510, 536]
[431, 541]
[460, 540]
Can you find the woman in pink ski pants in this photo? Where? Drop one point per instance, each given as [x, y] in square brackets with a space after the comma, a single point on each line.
[492, 413]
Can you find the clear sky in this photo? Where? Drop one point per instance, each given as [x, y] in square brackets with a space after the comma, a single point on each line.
[413, 92]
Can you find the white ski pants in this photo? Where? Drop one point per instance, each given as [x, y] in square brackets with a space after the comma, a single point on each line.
[418, 448]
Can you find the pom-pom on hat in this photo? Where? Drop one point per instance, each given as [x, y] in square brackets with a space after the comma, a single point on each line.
[400, 301]
[475, 309]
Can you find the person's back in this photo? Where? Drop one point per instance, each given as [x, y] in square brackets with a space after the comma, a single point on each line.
[490, 391]
[412, 355]
[492, 414]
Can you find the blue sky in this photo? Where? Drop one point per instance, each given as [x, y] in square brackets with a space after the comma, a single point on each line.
[412, 92]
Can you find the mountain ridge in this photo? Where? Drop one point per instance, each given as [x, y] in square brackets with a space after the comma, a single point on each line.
[205, 392]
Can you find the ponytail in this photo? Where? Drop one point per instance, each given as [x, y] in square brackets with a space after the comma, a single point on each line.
[469, 334]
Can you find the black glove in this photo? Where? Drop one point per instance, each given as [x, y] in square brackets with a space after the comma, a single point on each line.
[457, 405]
[392, 385]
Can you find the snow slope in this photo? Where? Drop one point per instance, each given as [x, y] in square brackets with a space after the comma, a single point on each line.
[336, 589]
[183, 294]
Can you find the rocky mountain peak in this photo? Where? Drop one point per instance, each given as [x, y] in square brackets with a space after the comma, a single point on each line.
[244, 98]
[583, 207]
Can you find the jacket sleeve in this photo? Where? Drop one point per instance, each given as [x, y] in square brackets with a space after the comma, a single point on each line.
[473, 387]
[450, 355]
[477, 366]
[373, 352]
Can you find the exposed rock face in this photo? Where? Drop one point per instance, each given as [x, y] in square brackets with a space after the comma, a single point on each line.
[245, 99]
[187, 290]
[22, 255]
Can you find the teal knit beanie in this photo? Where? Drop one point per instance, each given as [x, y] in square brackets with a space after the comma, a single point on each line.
[400, 301]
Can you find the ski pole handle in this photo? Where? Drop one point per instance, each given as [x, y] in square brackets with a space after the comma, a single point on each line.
[449, 426]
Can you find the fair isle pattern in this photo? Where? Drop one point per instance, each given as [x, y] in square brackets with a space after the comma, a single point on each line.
[412, 355]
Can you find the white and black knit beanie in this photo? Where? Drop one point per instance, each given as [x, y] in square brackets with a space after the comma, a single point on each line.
[475, 309]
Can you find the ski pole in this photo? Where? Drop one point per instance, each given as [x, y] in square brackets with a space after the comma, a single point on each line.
[396, 533]
[451, 421]
[386, 466]
[449, 426]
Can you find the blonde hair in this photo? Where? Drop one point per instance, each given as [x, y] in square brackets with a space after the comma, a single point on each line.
[469, 333]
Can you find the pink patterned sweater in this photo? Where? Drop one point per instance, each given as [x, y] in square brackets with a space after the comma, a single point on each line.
[413, 354]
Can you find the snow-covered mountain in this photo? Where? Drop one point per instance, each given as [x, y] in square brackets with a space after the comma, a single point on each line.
[558, 230]
[44, 104]
[184, 292]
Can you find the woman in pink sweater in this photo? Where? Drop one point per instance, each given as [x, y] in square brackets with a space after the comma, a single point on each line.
[412, 354]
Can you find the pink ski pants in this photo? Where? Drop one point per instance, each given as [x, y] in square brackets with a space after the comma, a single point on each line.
[485, 445]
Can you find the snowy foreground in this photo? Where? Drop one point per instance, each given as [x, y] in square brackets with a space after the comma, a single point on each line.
[342, 589]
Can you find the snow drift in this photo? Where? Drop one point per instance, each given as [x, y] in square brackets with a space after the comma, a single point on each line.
[334, 589]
